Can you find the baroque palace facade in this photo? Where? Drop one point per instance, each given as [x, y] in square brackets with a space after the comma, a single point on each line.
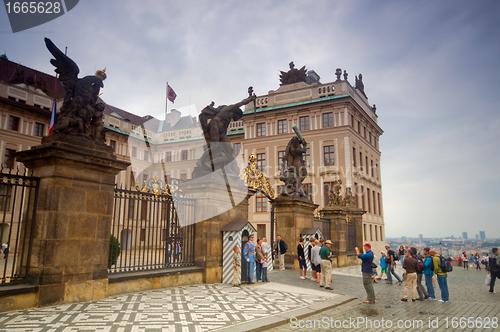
[337, 122]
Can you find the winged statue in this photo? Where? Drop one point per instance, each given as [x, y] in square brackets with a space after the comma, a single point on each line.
[294, 75]
[80, 113]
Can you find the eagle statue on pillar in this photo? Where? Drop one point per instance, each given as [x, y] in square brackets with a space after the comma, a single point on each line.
[80, 114]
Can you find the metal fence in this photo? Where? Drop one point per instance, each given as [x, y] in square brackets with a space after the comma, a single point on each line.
[323, 224]
[146, 232]
[351, 237]
[18, 197]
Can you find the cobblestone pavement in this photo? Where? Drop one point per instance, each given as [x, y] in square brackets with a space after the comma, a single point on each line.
[217, 307]
[469, 297]
[188, 308]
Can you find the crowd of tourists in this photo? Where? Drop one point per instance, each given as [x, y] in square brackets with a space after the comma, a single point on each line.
[420, 267]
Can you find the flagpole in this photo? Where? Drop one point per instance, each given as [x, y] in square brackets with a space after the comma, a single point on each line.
[166, 103]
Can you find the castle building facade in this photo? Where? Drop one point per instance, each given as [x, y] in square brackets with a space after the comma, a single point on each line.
[340, 127]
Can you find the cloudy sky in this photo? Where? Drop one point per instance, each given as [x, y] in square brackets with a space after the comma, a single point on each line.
[431, 67]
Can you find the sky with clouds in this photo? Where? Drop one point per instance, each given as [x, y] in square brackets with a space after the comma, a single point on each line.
[431, 67]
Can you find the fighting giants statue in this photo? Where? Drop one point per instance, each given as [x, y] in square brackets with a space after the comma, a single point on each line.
[219, 152]
[350, 199]
[334, 197]
[79, 114]
[293, 170]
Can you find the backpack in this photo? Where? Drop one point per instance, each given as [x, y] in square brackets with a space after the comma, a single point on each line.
[396, 257]
[420, 264]
[375, 261]
[445, 264]
[286, 246]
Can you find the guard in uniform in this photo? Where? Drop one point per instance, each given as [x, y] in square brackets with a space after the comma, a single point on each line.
[249, 254]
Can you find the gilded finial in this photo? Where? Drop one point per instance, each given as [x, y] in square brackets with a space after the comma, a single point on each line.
[101, 74]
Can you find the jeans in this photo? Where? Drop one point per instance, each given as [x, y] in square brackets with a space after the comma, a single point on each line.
[422, 294]
[391, 271]
[466, 265]
[428, 284]
[443, 285]
[494, 276]
[258, 271]
[264, 274]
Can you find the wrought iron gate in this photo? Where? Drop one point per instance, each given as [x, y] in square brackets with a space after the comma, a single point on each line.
[146, 233]
[18, 198]
[323, 223]
[351, 237]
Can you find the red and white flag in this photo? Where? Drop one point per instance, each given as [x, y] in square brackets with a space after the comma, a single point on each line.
[171, 95]
[53, 118]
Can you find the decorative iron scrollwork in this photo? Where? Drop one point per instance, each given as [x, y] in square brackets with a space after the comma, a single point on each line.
[158, 187]
[254, 178]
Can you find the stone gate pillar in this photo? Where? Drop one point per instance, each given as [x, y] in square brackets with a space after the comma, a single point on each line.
[69, 257]
[292, 216]
[338, 234]
[213, 211]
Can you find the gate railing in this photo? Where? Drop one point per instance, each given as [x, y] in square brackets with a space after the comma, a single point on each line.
[146, 232]
[323, 224]
[18, 197]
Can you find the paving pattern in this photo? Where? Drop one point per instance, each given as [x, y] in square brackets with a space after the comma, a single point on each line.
[189, 308]
[222, 307]
[469, 297]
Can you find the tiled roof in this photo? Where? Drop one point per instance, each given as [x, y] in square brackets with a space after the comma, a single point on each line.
[135, 119]
[13, 73]
[306, 102]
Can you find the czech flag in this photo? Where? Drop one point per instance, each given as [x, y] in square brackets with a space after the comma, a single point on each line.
[53, 118]
[171, 95]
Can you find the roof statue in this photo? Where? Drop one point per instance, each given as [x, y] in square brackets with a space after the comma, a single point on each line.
[214, 122]
[293, 169]
[294, 75]
[80, 114]
[359, 84]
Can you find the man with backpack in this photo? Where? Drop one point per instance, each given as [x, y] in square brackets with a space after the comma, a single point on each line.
[411, 266]
[422, 293]
[442, 275]
[428, 273]
[391, 264]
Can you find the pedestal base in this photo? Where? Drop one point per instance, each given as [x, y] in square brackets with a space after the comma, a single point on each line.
[210, 193]
[69, 257]
[292, 216]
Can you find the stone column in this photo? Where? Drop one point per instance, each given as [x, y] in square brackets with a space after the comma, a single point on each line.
[356, 215]
[213, 211]
[292, 216]
[338, 234]
[69, 258]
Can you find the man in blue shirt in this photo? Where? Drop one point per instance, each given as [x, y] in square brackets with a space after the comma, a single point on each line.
[367, 270]
[249, 255]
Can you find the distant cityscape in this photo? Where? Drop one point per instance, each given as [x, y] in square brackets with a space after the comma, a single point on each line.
[449, 246]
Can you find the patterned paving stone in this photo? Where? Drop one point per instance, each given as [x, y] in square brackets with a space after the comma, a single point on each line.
[189, 308]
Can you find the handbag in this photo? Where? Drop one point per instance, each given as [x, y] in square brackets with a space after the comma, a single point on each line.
[488, 280]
